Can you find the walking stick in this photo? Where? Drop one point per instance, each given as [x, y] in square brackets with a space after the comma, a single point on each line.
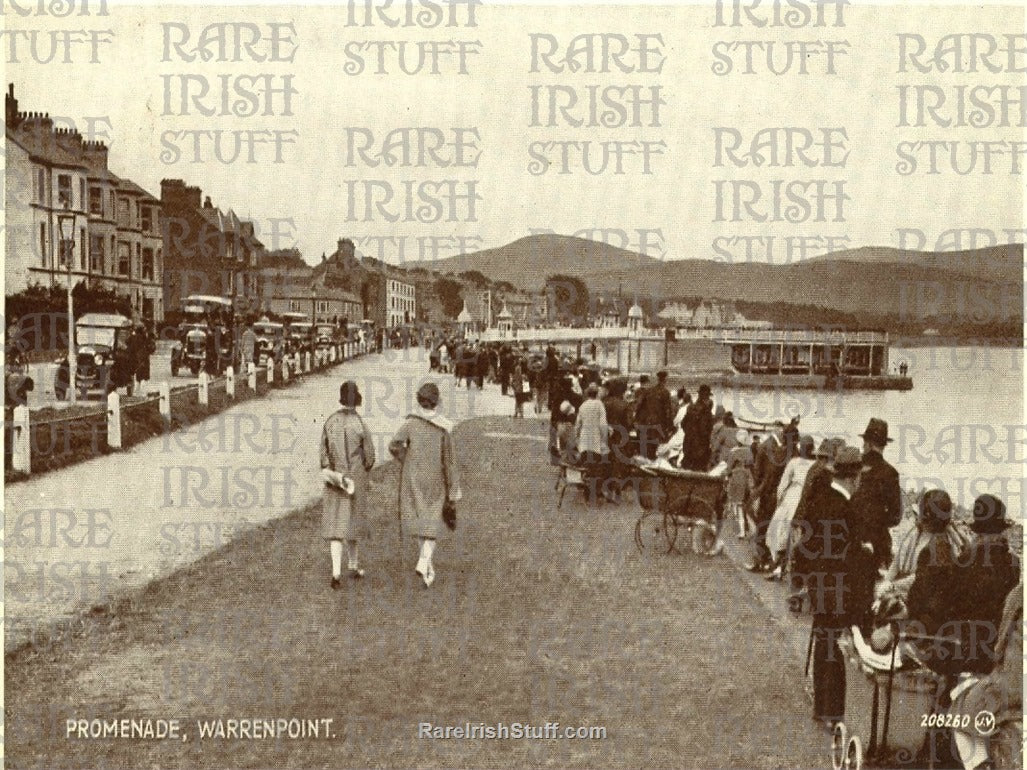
[809, 650]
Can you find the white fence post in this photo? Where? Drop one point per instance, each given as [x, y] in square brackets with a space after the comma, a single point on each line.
[165, 400]
[21, 448]
[331, 354]
[306, 362]
[114, 420]
[204, 393]
[251, 376]
[230, 382]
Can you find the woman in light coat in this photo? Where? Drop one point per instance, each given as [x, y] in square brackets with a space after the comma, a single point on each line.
[428, 475]
[789, 492]
[347, 455]
[592, 433]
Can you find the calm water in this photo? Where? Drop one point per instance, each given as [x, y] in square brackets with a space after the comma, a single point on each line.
[960, 428]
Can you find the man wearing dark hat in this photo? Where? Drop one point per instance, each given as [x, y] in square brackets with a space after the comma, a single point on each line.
[698, 427]
[347, 456]
[879, 498]
[654, 415]
[836, 566]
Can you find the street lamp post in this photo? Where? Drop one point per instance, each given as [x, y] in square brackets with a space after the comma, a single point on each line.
[66, 223]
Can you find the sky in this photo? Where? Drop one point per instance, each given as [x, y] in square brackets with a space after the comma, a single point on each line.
[844, 135]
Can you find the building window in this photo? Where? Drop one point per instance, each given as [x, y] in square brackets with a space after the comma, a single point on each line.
[96, 254]
[138, 260]
[322, 306]
[42, 242]
[124, 258]
[112, 207]
[83, 255]
[96, 201]
[82, 193]
[64, 191]
[124, 213]
[41, 186]
[294, 305]
[146, 217]
[147, 264]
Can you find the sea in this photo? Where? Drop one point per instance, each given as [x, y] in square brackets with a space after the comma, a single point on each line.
[961, 428]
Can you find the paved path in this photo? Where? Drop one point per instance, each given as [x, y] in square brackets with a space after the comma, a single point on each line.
[75, 536]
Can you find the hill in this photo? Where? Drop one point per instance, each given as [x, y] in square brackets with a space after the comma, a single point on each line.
[981, 285]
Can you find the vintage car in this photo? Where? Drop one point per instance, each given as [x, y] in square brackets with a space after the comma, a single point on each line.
[204, 316]
[301, 337]
[101, 360]
[298, 330]
[269, 336]
[324, 336]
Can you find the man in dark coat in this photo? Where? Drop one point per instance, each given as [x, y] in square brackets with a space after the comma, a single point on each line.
[482, 367]
[879, 498]
[836, 566]
[654, 416]
[698, 427]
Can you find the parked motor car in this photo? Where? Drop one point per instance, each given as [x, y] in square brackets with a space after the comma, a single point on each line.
[206, 336]
[101, 360]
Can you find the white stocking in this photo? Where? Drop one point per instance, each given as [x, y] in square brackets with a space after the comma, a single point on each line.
[335, 547]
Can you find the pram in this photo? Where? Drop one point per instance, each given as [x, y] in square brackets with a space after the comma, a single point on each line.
[892, 709]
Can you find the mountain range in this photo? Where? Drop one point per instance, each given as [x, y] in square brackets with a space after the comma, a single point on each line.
[869, 281]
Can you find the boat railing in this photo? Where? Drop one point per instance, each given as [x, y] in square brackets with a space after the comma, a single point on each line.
[801, 337]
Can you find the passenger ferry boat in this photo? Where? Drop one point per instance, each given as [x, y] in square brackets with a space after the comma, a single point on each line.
[856, 360]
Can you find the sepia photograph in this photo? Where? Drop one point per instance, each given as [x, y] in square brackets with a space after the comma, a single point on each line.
[472, 384]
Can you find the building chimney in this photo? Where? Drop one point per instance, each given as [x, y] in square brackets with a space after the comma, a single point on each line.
[95, 154]
[13, 118]
[346, 248]
[207, 204]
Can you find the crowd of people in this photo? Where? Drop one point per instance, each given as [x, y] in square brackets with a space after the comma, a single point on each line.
[820, 517]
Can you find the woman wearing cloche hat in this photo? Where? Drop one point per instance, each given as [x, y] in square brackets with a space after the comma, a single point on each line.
[428, 475]
[347, 456]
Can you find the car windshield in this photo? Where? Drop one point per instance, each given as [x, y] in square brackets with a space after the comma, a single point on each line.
[95, 335]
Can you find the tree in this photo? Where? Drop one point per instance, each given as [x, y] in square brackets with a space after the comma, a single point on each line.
[476, 277]
[450, 297]
[568, 297]
[505, 286]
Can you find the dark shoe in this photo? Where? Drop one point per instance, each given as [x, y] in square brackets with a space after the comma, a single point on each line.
[336, 584]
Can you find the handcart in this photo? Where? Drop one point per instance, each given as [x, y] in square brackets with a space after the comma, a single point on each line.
[886, 710]
[673, 500]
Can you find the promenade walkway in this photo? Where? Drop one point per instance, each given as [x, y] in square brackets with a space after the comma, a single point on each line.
[75, 536]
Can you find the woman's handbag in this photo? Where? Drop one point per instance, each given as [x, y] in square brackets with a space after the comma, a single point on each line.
[449, 513]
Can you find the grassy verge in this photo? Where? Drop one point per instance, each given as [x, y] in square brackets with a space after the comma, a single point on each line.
[537, 616]
[65, 436]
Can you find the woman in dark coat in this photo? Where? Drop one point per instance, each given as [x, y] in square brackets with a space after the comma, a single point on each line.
[618, 418]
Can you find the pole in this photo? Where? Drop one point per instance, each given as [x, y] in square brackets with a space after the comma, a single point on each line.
[72, 352]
